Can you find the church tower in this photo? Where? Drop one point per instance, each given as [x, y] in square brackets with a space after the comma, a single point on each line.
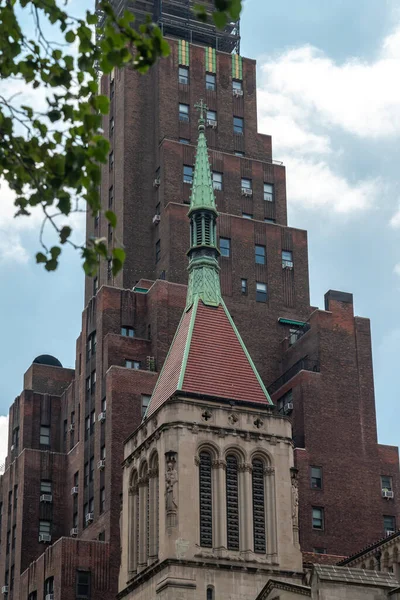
[210, 492]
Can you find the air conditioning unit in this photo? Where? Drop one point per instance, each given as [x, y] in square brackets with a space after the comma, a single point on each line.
[4, 589]
[74, 490]
[212, 123]
[156, 219]
[247, 192]
[389, 532]
[101, 464]
[387, 494]
[71, 427]
[73, 532]
[49, 597]
[101, 417]
[238, 93]
[89, 517]
[287, 266]
[45, 537]
[288, 408]
[292, 339]
[46, 498]
[156, 182]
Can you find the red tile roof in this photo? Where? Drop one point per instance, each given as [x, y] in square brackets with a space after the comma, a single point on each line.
[210, 357]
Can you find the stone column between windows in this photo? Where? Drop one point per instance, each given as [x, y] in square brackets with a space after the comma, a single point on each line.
[245, 508]
[219, 503]
[133, 501]
[153, 508]
[270, 508]
[142, 559]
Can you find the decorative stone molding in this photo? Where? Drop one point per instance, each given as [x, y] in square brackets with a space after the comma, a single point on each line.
[269, 470]
[143, 481]
[259, 423]
[218, 464]
[133, 490]
[171, 481]
[221, 433]
[206, 415]
[233, 418]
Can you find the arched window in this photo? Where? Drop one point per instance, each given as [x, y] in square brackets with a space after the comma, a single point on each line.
[258, 506]
[205, 481]
[232, 502]
[210, 593]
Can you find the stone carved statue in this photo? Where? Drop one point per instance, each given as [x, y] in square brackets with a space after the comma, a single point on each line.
[171, 481]
[295, 505]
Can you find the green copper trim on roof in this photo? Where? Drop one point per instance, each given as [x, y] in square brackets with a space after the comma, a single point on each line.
[187, 345]
[140, 290]
[284, 321]
[204, 282]
[237, 66]
[260, 381]
[202, 195]
[183, 53]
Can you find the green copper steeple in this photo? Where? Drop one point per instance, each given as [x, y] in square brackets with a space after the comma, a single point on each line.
[203, 254]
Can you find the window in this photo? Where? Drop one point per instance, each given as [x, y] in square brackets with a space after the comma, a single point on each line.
[32, 596]
[103, 453]
[112, 88]
[244, 286]
[184, 141]
[211, 82]
[12, 578]
[128, 331]
[246, 184]
[239, 153]
[95, 285]
[91, 505]
[237, 85]
[316, 478]
[45, 486]
[260, 255]
[86, 474]
[85, 512]
[91, 469]
[102, 499]
[247, 216]
[76, 479]
[87, 427]
[238, 125]
[91, 345]
[104, 405]
[184, 112]
[109, 233]
[217, 181]
[258, 491]
[145, 403]
[205, 485]
[183, 76]
[15, 497]
[261, 292]
[187, 174]
[83, 584]
[92, 421]
[14, 536]
[111, 161]
[9, 502]
[268, 192]
[44, 527]
[111, 196]
[319, 550]
[158, 250]
[287, 258]
[232, 503]
[8, 542]
[44, 435]
[210, 593]
[225, 246]
[49, 586]
[285, 403]
[102, 536]
[112, 125]
[132, 364]
[318, 518]
[109, 269]
[266, 220]
[16, 438]
[389, 524]
[93, 382]
[211, 117]
[386, 483]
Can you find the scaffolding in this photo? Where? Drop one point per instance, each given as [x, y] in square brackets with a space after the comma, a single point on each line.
[177, 19]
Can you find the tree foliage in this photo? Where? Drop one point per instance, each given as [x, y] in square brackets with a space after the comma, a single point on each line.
[51, 156]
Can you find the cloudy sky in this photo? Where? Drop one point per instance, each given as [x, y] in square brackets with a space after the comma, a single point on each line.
[328, 92]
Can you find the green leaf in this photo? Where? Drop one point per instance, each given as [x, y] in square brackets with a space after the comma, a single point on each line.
[41, 258]
[65, 234]
[70, 37]
[111, 218]
[220, 19]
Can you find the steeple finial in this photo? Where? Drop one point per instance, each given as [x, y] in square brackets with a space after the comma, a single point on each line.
[203, 254]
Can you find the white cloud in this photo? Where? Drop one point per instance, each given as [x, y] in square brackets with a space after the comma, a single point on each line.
[397, 269]
[305, 97]
[3, 438]
[395, 220]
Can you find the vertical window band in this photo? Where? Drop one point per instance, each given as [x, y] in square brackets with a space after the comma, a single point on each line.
[259, 532]
[205, 480]
[232, 503]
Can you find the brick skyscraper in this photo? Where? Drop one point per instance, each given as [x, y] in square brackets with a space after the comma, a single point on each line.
[63, 480]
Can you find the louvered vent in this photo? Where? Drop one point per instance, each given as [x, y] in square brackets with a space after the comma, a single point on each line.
[258, 507]
[205, 500]
[198, 230]
[232, 503]
[207, 230]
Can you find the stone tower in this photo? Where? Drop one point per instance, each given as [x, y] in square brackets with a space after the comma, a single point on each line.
[210, 492]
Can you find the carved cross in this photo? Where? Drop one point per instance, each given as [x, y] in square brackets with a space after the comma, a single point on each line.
[206, 415]
[202, 107]
[258, 423]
